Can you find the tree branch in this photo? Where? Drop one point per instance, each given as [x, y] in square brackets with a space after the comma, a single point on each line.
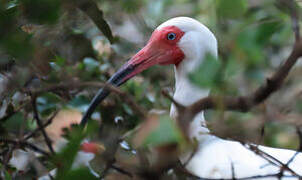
[271, 159]
[245, 103]
[79, 85]
[24, 144]
[295, 19]
[40, 128]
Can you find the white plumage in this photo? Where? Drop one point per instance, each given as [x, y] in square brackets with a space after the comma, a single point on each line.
[215, 157]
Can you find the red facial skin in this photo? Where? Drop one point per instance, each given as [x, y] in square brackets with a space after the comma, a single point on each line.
[159, 50]
[90, 148]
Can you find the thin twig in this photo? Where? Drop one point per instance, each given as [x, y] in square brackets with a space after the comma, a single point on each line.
[195, 150]
[271, 159]
[122, 171]
[24, 144]
[76, 85]
[8, 115]
[233, 171]
[40, 125]
[252, 177]
[299, 132]
[7, 157]
[292, 158]
[177, 104]
[48, 122]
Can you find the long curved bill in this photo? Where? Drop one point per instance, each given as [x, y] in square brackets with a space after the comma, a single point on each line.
[116, 80]
[141, 61]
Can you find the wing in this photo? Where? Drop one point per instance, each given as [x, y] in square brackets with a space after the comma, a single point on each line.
[218, 158]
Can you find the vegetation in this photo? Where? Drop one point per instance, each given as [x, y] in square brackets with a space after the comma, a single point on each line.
[56, 54]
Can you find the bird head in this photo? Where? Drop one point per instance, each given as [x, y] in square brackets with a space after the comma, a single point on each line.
[175, 41]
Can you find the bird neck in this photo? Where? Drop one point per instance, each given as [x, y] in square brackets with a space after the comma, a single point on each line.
[187, 93]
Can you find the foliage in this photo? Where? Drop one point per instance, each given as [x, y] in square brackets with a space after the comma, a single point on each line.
[49, 49]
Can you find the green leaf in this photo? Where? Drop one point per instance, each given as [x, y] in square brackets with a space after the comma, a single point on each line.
[299, 105]
[15, 122]
[47, 103]
[131, 6]
[65, 158]
[60, 61]
[18, 45]
[79, 174]
[207, 74]
[91, 64]
[42, 11]
[266, 31]
[231, 9]
[79, 102]
[7, 176]
[232, 67]
[165, 132]
[251, 51]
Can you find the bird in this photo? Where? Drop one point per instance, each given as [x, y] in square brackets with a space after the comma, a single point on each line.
[184, 43]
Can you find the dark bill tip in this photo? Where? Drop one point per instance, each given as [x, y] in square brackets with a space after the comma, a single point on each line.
[116, 80]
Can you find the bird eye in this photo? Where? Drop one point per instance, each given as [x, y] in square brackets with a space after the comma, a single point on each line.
[171, 36]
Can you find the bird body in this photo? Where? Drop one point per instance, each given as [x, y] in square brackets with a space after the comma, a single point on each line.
[218, 158]
[215, 157]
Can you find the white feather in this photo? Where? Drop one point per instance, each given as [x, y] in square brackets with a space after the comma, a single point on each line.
[215, 157]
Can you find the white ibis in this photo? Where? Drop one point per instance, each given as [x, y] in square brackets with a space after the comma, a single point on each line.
[184, 42]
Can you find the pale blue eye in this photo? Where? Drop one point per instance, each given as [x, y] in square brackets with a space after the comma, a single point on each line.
[171, 36]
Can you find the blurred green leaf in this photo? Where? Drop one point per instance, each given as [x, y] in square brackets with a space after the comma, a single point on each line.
[232, 67]
[13, 40]
[18, 45]
[131, 6]
[166, 132]
[41, 11]
[299, 105]
[283, 135]
[15, 122]
[207, 74]
[127, 109]
[266, 30]
[60, 61]
[65, 158]
[255, 74]
[79, 102]
[80, 174]
[12, 4]
[7, 176]
[47, 103]
[96, 15]
[231, 9]
[251, 52]
[91, 64]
